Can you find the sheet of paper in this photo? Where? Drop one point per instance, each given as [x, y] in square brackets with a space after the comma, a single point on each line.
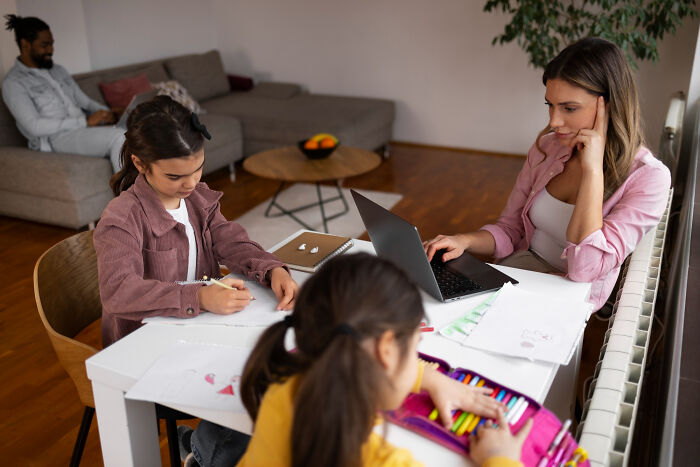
[194, 375]
[534, 326]
[261, 311]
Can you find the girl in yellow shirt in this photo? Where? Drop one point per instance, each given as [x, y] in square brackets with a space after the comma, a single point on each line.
[356, 325]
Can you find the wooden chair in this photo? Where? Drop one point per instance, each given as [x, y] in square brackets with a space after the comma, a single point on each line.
[68, 299]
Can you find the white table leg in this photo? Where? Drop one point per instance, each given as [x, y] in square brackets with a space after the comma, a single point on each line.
[128, 430]
[562, 395]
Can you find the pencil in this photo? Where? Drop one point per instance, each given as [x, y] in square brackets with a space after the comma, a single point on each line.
[221, 284]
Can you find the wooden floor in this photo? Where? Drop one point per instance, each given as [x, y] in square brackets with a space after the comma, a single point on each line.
[444, 191]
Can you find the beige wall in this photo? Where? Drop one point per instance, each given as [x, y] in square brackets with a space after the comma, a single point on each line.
[67, 22]
[435, 59]
[659, 81]
[129, 31]
[8, 46]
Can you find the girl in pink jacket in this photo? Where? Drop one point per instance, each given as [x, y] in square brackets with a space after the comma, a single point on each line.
[164, 230]
[589, 189]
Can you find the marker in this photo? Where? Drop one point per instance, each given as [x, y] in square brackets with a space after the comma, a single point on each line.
[514, 408]
[434, 414]
[521, 411]
[513, 400]
[560, 435]
[502, 397]
[472, 420]
[460, 420]
[559, 453]
[471, 416]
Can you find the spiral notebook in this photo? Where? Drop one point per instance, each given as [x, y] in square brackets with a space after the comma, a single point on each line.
[309, 250]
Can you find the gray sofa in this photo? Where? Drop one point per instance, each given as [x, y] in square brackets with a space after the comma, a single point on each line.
[71, 190]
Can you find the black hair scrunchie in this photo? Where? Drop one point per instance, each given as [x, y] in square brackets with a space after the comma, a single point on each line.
[289, 321]
[199, 127]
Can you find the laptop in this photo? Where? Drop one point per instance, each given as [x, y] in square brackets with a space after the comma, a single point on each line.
[136, 100]
[398, 241]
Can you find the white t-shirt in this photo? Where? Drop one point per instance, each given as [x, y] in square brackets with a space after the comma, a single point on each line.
[550, 217]
[180, 215]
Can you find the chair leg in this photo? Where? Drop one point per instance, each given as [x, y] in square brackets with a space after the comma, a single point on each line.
[82, 436]
[171, 429]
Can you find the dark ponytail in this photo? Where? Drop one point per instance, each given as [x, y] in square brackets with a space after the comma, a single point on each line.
[342, 385]
[27, 28]
[157, 129]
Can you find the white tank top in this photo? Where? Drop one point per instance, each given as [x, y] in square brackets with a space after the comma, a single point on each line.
[180, 215]
[550, 217]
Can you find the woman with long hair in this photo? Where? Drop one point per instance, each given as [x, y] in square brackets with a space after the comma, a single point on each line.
[589, 189]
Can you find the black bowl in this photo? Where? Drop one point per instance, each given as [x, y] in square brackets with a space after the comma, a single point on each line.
[320, 153]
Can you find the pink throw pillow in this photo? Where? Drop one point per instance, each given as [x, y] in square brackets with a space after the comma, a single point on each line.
[119, 93]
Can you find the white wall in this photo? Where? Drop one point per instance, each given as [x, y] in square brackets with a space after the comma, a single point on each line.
[435, 59]
[67, 23]
[659, 81]
[129, 31]
[8, 46]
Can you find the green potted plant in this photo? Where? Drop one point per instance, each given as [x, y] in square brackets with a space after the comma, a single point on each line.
[544, 27]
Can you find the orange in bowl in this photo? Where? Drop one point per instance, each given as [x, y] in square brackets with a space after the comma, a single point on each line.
[327, 143]
[311, 144]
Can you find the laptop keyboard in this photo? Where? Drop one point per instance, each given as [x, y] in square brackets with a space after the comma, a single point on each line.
[451, 284]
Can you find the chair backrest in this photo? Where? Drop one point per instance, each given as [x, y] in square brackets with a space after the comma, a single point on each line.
[68, 299]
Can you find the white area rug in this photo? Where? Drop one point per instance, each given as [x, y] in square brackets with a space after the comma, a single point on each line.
[268, 231]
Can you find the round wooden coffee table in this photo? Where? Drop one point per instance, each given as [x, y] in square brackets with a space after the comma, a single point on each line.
[289, 165]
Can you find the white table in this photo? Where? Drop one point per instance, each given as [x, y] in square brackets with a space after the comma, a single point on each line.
[128, 428]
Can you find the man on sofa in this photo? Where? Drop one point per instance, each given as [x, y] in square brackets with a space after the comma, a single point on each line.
[51, 111]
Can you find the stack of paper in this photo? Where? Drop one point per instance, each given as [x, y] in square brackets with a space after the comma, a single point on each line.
[522, 324]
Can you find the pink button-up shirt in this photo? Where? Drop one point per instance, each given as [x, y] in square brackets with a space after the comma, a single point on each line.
[632, 210]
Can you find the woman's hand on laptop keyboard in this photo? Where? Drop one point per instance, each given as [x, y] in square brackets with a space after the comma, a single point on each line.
[451, 246]
[480, 242]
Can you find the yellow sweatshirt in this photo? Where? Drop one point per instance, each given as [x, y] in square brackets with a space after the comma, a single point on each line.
[270, 444]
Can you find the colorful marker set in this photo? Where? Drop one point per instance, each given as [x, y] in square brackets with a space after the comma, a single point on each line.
[540, 449]
[465, 423]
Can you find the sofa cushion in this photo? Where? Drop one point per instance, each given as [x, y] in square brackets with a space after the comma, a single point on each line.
[120, 92]
[275, 90]
[9, 134]
[286, 121]
[66, 177]
[90, 82]
[223, 129]
[178, 93]
[202, 74]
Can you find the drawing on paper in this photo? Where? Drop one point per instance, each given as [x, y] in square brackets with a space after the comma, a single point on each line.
[533, 336]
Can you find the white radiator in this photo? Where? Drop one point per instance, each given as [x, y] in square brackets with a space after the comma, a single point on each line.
[609, 413]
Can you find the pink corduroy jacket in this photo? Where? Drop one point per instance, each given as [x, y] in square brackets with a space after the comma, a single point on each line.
[632, 210]
[142, 253]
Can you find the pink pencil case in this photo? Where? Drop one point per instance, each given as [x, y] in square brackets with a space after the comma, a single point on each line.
[415, 411]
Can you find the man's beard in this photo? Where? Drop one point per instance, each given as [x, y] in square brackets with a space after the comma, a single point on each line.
[43, 61]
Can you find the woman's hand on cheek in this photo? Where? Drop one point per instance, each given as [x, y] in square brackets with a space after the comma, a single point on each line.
[449, 394]
[591, 143]
[284, 287]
